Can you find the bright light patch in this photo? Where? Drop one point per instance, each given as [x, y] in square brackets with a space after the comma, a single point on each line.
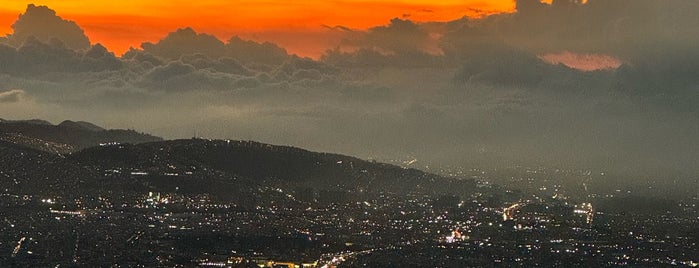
[583, 62]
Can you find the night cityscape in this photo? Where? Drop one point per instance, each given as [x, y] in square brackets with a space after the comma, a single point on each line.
[216, 203]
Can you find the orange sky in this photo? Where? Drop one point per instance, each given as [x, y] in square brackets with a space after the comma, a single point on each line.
[295, 25]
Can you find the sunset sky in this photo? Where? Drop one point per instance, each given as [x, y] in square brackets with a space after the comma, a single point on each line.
[295, 25]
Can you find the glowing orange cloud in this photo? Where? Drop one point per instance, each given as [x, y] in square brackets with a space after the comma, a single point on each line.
[295, 25]
[584, 62]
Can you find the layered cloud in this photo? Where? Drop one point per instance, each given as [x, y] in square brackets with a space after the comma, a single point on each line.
[186, 41]
[34, 57]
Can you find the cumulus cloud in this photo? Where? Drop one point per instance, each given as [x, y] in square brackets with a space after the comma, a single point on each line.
[43, 24]
[36, 58]
[176, 76]
[400, 43]
[633, 32]
[628, 29]
[250, 51]
[186, 41]
[397, 37]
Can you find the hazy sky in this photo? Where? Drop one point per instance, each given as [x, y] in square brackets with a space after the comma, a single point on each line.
[437, 87]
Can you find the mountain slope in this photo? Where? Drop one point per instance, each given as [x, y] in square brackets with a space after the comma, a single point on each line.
[27, 170]
[264, 162]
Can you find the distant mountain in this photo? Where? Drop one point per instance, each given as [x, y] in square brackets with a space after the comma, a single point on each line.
[244, 171]
[266, 163]
[28, 122]
[80, 157]
[81, 125]
[66, 137]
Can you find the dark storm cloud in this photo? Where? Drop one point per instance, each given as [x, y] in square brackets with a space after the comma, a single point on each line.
[646, 32]
[42, 23]
[629, 29]
[505, 67]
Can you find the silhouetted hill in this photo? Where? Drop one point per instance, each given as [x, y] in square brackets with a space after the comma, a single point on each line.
[80, 125]
[66, 137]
[263, 163]
[10, 152]
[36, 143]
[28, 170]
[80, 157]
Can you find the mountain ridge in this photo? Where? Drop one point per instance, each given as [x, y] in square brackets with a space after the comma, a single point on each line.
[66, 137]
[261, 162]
[53, 158]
